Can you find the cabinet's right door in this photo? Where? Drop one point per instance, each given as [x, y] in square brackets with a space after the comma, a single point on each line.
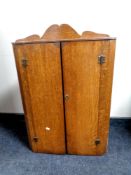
[87, 92]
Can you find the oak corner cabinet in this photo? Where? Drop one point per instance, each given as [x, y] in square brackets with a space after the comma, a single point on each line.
[66, 81]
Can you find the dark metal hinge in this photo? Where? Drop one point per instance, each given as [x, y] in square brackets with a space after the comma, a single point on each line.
[101, 59]
[97, 141]
[35, 139]
[24, 62]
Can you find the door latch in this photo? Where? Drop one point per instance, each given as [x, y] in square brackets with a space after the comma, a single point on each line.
[66, 97]
[24, 62]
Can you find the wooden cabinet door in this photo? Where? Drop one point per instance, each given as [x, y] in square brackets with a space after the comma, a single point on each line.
[39, 70]
[85, 81]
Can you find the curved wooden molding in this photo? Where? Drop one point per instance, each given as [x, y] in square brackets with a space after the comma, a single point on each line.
[62, 32]
[89, 34]
[56, 32]
[29, 38]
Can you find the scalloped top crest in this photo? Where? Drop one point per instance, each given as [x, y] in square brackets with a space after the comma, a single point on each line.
[62, 32]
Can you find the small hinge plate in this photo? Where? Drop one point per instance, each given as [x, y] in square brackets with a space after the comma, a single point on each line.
[101, 59]
[97, 141]
[24, 62]
[35, 139]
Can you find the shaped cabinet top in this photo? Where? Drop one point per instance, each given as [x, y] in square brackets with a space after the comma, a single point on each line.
[64, 32]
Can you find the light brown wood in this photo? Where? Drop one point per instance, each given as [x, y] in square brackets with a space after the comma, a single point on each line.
[89, 34]
[25, 95]
[29, 38]
[62, 33]
[81, 73]
[62, 62]
[88, 85]
[106, 80]
[42, 91]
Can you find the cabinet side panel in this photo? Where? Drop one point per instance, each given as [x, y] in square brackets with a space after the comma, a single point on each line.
[43, 97]
[106, 79]
[81, 74]
[25, 95]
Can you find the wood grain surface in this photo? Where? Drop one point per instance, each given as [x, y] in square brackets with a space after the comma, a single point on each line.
[81, 73]
[66, 92]
[41, 85]
[106, 79]
[87, 84]
[61, 33]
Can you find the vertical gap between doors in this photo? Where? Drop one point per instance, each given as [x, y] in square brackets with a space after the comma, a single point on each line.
[63, 95]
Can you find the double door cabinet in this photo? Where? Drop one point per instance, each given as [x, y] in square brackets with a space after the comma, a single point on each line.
[65, 81]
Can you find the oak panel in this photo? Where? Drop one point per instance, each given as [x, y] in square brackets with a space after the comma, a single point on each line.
[41, 87]
[106, 79]
[81, 75]
[61, 33]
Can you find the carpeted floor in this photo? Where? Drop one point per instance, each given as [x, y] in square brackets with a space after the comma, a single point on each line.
[17, 159]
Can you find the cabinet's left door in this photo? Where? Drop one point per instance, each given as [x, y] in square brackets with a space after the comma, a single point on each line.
[39, 72]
